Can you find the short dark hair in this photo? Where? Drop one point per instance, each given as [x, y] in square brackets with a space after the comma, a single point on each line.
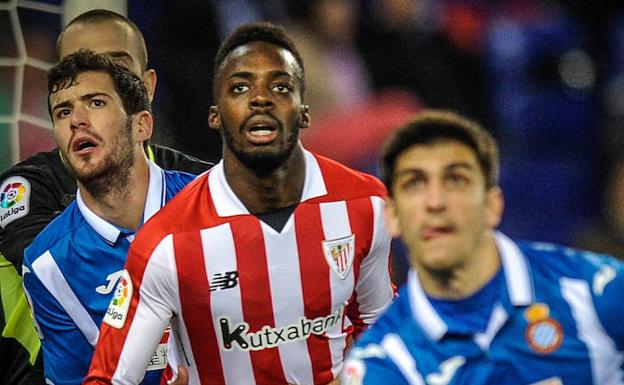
[252, 32]
[434, 126]
[128, 86]
[96, 16]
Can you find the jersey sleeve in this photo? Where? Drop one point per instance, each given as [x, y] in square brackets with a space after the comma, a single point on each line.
[607, 286]
[140, 311]
[370, 365]
[374, 290]
[64, 346]
[30, 200]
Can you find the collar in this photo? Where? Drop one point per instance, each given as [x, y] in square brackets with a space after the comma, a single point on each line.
[227, 203]
[155, 200]
[517, 279]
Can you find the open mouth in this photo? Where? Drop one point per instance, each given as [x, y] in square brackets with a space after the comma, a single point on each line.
[83, 145]
[261, 130]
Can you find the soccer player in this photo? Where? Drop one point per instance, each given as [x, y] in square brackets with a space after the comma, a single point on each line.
[102, 121]
[35, 191]
[265, 264]
[479, 308]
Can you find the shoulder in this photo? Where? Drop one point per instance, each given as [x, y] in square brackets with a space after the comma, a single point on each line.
[191, 203]
[171, 159]
[40, 181]
[56, 232]
[347, 183]
[566, 261]
[178, 179]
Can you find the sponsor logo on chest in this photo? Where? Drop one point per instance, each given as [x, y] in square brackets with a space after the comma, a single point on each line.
[238, 336]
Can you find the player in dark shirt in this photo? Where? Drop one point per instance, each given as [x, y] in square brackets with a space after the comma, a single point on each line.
[34, 191]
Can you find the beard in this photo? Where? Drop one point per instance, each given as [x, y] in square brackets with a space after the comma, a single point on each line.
[111, 173]
[263, 163]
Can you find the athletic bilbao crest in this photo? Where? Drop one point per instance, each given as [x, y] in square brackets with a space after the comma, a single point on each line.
[339, 254]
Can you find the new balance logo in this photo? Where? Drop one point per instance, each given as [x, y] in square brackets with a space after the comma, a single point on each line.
[222, 281]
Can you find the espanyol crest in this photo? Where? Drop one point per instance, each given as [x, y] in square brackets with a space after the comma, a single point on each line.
[339, 254]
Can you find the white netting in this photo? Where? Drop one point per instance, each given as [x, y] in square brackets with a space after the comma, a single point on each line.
[28, 32]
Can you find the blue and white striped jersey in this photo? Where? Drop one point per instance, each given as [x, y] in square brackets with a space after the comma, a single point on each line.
[71, 271]
[558, 320]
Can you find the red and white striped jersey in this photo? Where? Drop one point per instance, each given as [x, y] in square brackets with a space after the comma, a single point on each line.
[248, 304]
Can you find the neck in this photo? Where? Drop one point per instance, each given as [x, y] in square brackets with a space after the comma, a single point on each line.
[262, 194]
[467, 278]
[122, 201]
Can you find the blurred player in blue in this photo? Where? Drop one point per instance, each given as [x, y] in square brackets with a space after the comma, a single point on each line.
[102, 123]
[479, 308]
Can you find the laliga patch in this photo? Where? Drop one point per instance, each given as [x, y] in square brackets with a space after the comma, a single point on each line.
[543, 334]
[117, 312]
[14, 199]
[339, 254]
[353, 373]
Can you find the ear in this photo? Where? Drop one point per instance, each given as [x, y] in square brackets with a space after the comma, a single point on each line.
[143, 124]
[304, 118]
[214, 118]
[390, 212]
[149, 78]
[494, 207]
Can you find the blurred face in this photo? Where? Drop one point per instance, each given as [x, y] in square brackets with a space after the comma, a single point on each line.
[116, 40]
[440, 206]
[260, 110]
[91, 128]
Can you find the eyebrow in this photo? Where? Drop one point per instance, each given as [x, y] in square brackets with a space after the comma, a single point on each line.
[450, 167]
[247, 74]
[67, 103]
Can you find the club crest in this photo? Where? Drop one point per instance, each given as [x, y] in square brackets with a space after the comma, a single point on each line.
[339, 254]
[543, 334]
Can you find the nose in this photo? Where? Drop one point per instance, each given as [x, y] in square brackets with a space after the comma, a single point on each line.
[79, 117]
[261, 99]
[435, 199]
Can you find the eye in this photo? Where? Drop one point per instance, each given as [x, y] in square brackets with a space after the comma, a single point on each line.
[458, 180]
[97, 103]
[412, 184]
[63, 113]
[239, 88]
[282, 88]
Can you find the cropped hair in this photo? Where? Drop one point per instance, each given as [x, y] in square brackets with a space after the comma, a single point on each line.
[434, 126]
[128, 86]
[96, 16]
[253, 32]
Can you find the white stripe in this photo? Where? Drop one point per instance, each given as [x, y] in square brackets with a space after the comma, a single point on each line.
[287, 298]
[335, 221]
[605, 359]
[157, 295]
[52, 278]
[374, 274]
[220, 257]
[496, 322]
[398, 353]
[422, 310]
[516, 271]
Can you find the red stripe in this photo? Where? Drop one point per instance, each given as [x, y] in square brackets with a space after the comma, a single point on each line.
[256, 295]
[362, 220]
[315, 285]
[195, 301]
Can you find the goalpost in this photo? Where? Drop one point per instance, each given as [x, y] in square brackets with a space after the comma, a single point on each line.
[28, 32]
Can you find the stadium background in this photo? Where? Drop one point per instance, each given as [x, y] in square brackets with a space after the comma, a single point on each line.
[546, 77]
